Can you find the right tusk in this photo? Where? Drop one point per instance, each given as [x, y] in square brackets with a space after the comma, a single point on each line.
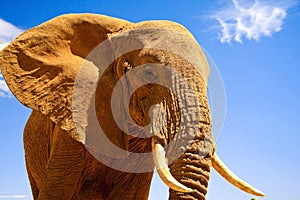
[221, 168]
[162, 168]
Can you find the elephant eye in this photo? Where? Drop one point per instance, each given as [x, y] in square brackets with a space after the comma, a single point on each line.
[149, 73]
[126, 66]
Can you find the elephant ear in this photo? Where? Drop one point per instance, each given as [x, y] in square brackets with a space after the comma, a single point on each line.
[41, 65]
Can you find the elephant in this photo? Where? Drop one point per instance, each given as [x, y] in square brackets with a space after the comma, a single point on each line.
[144, 84]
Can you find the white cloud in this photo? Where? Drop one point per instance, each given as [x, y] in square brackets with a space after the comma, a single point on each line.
[14, 197]
[4, 91]
[8, 32]
[252, 20]
[2, 45]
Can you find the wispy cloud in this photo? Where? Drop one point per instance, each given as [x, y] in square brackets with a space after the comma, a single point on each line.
[8, 32]
[14, 197]
[4, 91]
[2, 45]
[251, 20]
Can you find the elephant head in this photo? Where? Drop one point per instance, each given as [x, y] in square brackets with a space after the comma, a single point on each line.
[144, 84]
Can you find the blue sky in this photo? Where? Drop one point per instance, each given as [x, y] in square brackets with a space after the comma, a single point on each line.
[255, 45]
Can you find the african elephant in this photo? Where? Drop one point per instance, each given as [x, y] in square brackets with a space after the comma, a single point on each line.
[54, 69]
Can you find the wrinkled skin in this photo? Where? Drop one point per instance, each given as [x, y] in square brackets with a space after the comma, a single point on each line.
[61, 168]
[40, 68]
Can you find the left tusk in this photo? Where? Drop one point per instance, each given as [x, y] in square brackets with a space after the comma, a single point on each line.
[162, 168]
[221, 168]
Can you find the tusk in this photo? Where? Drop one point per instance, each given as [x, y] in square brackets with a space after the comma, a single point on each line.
[163, 171]
[232, 178]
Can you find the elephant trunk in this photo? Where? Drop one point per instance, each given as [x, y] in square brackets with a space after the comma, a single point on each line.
[192, 168]
[193, 172]
[191, 152]
[190, 146]
[188, 154]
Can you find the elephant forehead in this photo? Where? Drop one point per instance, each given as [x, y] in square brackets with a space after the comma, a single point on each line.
[162, 39]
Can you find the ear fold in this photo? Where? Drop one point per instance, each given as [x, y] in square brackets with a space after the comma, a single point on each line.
[41, 65]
